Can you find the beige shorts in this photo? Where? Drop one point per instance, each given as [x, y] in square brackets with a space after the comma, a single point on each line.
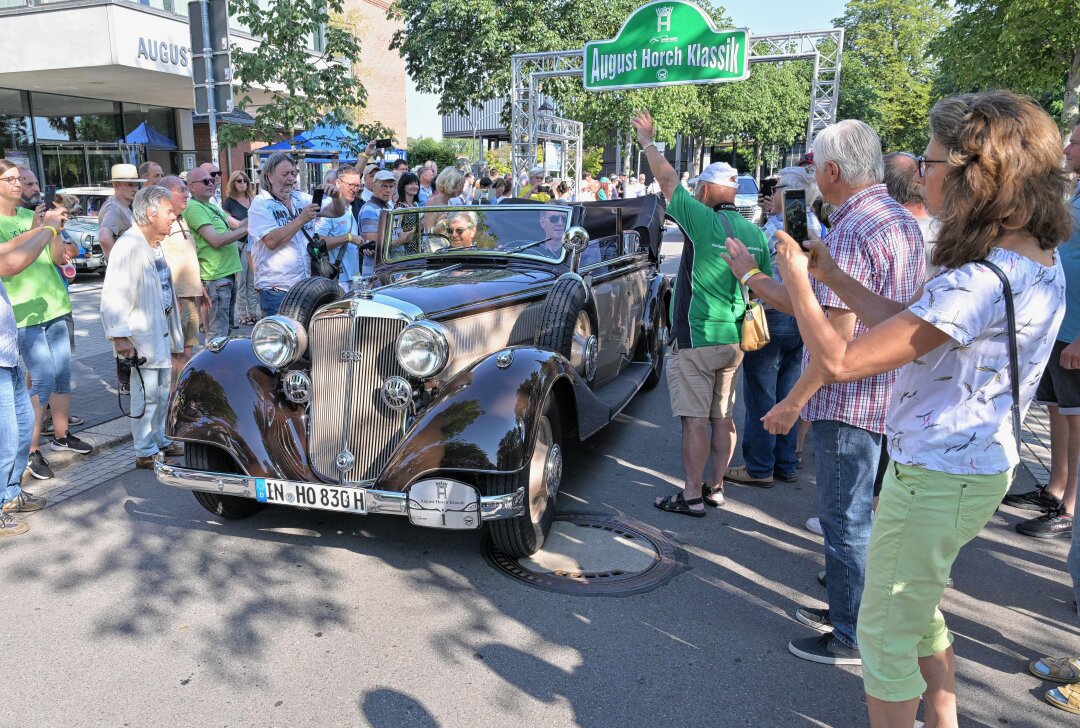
[701, 381]
[188, 309]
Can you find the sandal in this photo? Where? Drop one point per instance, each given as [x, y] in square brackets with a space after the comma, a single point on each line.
[1056, 669]
[677, 504]
[1066, 697]
[713, 495]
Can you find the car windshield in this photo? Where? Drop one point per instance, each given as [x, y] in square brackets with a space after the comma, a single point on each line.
[81, 203]
[747, 186]
[528, 230]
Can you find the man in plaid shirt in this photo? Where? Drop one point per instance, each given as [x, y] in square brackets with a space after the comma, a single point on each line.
[877, 242]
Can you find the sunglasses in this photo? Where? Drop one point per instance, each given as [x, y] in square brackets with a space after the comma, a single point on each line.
[241, 179]
[201, 181]
[557, 220]
[460, 231]
[215, 174]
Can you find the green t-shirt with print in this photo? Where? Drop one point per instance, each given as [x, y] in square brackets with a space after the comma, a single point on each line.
[707, 306]
[37, 294]
[214, 262]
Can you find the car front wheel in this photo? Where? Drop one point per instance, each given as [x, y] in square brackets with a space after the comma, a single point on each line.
[525, 535]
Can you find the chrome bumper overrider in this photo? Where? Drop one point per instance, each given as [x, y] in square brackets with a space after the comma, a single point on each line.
[492, 507]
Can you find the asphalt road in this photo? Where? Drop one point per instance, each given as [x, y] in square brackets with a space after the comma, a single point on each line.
[129, 605]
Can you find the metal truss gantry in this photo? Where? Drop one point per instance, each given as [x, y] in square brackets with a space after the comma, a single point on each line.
[530, 127]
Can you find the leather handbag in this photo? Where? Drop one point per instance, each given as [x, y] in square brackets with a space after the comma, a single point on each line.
[321, 262]
[755, 329]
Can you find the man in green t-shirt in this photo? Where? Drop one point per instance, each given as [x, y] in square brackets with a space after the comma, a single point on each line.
[215, 244]
[707, 309]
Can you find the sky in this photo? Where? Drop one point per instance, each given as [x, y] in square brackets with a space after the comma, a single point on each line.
[777, 16]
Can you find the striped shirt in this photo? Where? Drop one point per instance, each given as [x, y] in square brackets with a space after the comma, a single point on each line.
[878, 243]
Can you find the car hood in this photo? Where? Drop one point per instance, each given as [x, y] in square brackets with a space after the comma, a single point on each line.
[456, 289]
[745, 200]
[82, 225]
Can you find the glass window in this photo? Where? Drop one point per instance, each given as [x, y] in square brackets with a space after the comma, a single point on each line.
[153, 126]
[71, 118]
[16, 140]
[531, 230]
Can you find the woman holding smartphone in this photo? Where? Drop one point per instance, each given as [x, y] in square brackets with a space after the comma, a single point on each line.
[992, 176]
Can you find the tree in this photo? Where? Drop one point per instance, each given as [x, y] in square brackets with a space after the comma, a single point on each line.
[888, 70]
[424, 148]
[303, 92]
[593, 160]
[1029, 46]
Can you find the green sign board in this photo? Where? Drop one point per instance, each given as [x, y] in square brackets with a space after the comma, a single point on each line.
[667, 43]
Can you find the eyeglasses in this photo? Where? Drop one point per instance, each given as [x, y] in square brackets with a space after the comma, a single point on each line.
[354, 186]
[923, 161]
[11, 180]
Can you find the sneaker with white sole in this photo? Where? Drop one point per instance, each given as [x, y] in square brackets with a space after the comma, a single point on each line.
[814, 618]
[39, 466]
[825, 649]
[72, 444]
[10, 527]
[813, 525]
[23, 503]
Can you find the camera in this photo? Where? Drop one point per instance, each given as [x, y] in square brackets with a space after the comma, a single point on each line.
[123, 371]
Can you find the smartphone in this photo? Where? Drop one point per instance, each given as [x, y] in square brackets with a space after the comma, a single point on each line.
[794, 206]
[48, 195]
[767, 187]
[317, 195]
[384, 143]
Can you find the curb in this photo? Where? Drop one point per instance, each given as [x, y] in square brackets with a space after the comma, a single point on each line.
[76, 473]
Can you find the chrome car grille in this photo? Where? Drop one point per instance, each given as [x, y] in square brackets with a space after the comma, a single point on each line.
[374, 430]
[746, 211]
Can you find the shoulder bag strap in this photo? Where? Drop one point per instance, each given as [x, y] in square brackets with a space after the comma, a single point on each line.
[1014, 365]
[730, 230]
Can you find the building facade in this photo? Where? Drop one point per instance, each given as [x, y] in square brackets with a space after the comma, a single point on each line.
[110, 82]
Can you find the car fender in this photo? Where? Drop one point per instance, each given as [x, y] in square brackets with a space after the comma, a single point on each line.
[484, 420]
[228, 399]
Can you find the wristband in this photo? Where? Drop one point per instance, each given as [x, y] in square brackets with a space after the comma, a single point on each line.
[749, 274]
[350, 238]
[55, 232]
[650, 144]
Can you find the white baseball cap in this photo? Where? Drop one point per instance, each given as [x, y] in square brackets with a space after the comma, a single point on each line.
[718, 173]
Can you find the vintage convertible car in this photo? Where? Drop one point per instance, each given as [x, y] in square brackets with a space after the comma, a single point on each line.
[443, 388]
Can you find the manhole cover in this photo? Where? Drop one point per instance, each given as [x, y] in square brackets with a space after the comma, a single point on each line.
[594, 554]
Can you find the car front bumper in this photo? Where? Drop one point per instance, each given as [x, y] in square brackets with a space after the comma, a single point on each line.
[491, 507]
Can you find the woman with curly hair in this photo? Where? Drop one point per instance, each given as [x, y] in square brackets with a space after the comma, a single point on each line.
[992, 176]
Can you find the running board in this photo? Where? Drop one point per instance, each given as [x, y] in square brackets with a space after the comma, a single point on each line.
[613, 397]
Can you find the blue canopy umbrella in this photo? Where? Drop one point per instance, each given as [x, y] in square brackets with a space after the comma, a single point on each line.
[151, 137]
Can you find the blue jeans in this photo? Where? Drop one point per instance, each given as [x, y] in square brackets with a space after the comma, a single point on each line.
[768, 376]
[152, 393]
[847, 463]
[46, 351]
[270, 301]
[221, 299]
[1074, 567]
[16, 428]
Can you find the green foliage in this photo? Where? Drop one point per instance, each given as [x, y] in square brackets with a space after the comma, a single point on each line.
[593, 160]
[424, 148]
[303, 92]
[1028, 46]
[498, 160]
[887, 70]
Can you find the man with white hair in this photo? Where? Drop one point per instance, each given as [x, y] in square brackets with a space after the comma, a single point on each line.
[140, 317]
[707, 308]
[533, 191]
[877, 242]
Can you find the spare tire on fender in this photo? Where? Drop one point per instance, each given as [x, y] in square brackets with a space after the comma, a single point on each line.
[568, 327]
[307, 296]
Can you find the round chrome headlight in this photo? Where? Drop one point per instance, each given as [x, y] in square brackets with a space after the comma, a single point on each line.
[422, 349]
[278, 341]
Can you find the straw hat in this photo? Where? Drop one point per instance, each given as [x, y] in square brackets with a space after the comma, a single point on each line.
[125, 173]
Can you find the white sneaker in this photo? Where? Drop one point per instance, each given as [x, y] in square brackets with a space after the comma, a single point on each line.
[813, 525]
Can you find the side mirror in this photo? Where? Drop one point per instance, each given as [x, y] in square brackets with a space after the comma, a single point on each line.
[575, 239]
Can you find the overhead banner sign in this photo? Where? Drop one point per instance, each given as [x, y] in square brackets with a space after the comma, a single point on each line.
[667, 43]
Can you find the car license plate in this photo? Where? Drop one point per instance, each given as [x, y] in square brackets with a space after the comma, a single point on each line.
[93, 262]
[310, 495]
[441, 503]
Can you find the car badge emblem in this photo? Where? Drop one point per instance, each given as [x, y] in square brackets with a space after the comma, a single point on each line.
[349, 356]
[504, 359]
[297, 386]
[363, 289]
[396, 393]
[344, 460]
